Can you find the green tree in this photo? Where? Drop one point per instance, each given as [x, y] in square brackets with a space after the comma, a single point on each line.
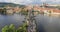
[22, 28]
[3, 11]
[12, 28]
[5, 29]
[24, 12]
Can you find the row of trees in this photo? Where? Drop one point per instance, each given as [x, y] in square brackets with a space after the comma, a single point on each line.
[24, 12]
[11, 28]
[3, 11]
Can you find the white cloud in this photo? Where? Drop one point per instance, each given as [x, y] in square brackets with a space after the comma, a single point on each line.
[43, 0]
[19, 1]
[55, 0]
[50, 0]
[30, 1]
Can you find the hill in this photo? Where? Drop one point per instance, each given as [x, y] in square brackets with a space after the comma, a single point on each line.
[2, 4]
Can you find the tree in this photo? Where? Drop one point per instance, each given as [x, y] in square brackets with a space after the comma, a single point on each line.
[22, 28]
[12, 28]
[5, 29]
[24, 12]
[3, 11]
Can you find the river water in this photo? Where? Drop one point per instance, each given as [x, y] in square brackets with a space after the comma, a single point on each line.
[15, 19]
[44, 23]
[48, 24]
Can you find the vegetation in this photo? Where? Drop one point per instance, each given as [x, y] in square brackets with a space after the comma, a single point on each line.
[22, 28]
[5, 29]
[58, 7]
[3, 11]
[24, 12]
[3, 4]
[12, 28]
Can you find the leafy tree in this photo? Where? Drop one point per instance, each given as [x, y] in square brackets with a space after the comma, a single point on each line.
[24, 12]
[12, 28]
[22, 28]
[5, 29]
[3, 11]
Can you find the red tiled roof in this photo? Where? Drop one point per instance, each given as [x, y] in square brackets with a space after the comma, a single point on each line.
[49, 9]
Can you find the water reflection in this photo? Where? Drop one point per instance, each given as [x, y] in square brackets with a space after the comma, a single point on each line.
[44, 23]
[49, 24]
[11, 19]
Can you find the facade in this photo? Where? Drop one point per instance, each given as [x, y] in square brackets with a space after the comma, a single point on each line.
[11, 10]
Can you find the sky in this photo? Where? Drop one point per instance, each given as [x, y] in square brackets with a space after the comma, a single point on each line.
[32, 1]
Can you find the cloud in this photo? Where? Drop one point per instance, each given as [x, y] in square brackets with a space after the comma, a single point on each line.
[19, 1]
[43, 0]
[50, 0]
[30, 1]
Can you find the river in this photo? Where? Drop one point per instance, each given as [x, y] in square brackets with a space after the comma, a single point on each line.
[48, 24]
[44, 23]
[15, 19]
